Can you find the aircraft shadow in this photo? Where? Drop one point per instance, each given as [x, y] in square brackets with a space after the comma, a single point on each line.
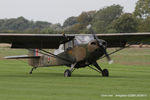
[62, 75]
[46, 75]
[49, 75]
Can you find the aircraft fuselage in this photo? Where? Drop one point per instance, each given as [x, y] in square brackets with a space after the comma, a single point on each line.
[82, 55]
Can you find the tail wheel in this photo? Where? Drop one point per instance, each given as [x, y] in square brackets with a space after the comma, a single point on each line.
[67, 73]
[105, 73]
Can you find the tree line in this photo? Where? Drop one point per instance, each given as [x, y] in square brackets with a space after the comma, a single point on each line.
[110, 19]
[22, 25]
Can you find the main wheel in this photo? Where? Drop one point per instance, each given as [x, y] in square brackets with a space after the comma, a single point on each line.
[67, 73]
[105, 73]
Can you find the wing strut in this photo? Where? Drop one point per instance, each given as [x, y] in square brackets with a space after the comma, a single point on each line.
[116, 51]
[52, 55]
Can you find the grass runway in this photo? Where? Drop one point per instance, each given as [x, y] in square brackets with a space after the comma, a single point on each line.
[129, 79]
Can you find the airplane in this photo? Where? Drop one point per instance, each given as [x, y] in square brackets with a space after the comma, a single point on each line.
[72, 50]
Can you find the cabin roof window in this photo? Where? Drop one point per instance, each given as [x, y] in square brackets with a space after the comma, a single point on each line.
[83, 39]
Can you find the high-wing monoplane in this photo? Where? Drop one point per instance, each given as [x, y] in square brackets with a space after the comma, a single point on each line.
[72, 50]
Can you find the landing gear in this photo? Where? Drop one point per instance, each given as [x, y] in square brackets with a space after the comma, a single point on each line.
[32, 70]
[68, 72]
[105, 72]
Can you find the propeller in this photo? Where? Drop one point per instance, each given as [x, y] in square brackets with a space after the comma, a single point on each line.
[107, 56]
[101, 44]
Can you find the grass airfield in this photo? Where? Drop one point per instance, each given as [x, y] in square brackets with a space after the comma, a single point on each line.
[129, 79]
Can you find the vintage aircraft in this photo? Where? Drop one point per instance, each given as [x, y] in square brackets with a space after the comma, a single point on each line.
[73, 50]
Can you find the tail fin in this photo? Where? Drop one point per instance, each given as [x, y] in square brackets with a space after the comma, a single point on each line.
[34, 61]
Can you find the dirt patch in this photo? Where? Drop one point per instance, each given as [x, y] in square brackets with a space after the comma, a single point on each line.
[140, 46]
[135, 63]
[4, 45]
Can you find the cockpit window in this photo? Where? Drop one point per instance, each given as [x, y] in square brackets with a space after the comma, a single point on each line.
[68, 44]
[83, 39]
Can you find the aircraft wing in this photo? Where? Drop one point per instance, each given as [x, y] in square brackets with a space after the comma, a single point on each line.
[120, 39]
[51, 41]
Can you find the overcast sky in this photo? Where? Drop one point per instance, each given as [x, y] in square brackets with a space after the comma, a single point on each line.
[56, 11]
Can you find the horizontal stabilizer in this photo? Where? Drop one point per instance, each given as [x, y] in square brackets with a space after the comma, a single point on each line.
[21, 57]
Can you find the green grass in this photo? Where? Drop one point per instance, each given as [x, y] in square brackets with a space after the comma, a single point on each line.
[85, 84]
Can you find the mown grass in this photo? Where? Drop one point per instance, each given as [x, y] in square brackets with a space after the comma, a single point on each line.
[85, 84]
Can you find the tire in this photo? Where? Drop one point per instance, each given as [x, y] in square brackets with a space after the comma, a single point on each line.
[105, 73]
[67, 73]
